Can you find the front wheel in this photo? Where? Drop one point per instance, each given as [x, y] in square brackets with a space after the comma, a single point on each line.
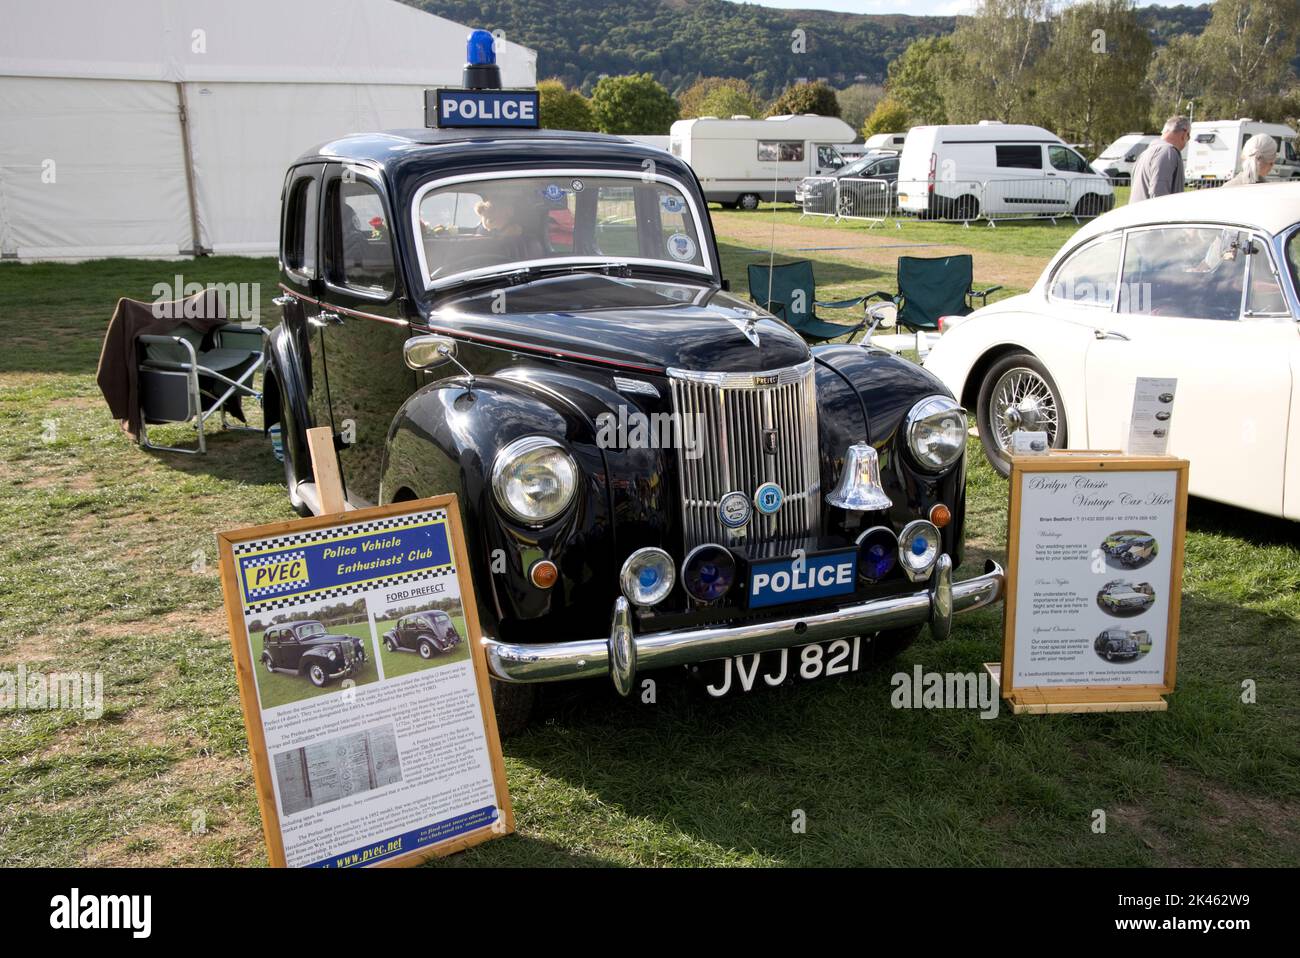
[317, 675]
[513, 704]
[748, 201]
[1018, 393]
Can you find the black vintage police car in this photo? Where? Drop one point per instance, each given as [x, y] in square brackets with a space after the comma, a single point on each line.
[652, 471]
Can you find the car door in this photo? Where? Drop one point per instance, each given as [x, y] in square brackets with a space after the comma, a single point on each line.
[300, 257]
[271, 645]
[290, 649]
[826, 159]
[362, 312]
[1202, 304]
[404, 633]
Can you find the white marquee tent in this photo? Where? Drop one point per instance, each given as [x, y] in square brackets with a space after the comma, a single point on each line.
[152, 127]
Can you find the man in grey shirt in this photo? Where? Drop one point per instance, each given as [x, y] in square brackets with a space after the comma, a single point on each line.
[1159, 170]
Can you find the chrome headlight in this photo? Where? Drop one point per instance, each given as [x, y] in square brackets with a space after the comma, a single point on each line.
[332, 654]
[936, 432]
[534, 479]
[647, 576]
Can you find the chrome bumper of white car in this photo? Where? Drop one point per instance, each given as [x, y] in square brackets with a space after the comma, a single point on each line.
[622, 653]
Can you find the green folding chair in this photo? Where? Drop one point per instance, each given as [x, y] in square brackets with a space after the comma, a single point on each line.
[929, 288]
[792, 299]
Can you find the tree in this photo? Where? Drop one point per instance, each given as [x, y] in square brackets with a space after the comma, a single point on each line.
[718, 96]
[562, 108]
[915, 79]
[889, 116]
[1174, 76]
[1247, 50]
[632, 104]
[993, 75]
[814, 97]
[1095, 88]
[857, 102]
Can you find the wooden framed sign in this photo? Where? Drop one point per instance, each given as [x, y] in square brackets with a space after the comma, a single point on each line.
[364, 689]
[1093, 581]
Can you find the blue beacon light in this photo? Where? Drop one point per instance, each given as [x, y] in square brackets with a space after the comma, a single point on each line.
[481, 70]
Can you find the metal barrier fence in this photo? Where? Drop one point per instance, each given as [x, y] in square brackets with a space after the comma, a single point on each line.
[863, 198]
[875, 200]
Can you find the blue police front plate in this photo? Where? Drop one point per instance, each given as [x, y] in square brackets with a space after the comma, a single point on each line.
[792, 579]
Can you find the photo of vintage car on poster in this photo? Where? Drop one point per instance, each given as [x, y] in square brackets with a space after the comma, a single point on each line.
[420, 636]
[1129, 549]
[1123, 599]
[1122, 645]
[311, 650]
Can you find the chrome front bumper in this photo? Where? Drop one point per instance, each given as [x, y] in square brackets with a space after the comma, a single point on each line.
[622, 653]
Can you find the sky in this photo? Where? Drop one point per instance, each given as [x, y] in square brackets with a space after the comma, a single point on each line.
[915, 7]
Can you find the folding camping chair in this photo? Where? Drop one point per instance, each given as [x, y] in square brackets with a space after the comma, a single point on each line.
[792, 298]
[177, 378]
[930, 288]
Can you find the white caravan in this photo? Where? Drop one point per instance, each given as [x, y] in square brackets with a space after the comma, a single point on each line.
[1214, 152]
[885, 141]
[741, 161]
[963, 171]
[1118, 159]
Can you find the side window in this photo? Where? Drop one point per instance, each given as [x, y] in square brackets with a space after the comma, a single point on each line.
[361, 248]
[1088, 277]
[1263, 294]
[1190, 271]
[888, 167]
[827, 156]
[786, 151]
[1065, 159]
[299, 253]
[1020, 157]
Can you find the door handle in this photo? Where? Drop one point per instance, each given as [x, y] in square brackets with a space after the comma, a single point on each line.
[1109, 334]
[325, 319]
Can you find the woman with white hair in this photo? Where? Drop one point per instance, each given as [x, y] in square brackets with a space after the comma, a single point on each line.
[1257, 159]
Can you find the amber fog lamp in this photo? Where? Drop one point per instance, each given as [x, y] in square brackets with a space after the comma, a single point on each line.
[544, 573]
[940, 515]
[709, 572]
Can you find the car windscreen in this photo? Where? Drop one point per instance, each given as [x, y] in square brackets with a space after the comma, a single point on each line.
[493, 224]
[1293, 258]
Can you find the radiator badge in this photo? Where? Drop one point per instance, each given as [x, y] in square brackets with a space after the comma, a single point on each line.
[734, 510]
[768, 498]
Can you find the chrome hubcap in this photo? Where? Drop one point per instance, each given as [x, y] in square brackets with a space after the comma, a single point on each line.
[1022, 400]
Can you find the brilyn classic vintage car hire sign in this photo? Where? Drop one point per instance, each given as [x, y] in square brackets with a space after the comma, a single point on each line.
[366, 750]
[1093, 581]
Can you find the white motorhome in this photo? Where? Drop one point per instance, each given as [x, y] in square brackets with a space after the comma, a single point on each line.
[885, 141]
[741, 161]
[1118, 159]
[1213, 154]
[960, 171]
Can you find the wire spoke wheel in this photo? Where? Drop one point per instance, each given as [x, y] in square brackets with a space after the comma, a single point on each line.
[1022, 400]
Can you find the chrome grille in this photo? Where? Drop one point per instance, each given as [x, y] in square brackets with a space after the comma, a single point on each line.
[725, 416]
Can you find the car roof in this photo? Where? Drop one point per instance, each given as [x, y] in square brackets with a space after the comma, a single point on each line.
[1271, 207]
[295, 623]
[383, 147]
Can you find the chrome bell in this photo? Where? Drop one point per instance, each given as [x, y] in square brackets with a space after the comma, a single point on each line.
[859, 487]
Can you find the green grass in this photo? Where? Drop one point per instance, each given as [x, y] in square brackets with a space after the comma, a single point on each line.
[281, 688]
[405, 662]
[109, 565]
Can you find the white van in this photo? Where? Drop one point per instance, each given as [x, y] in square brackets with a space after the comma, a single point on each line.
[1118, 159]
[962, 171]
[1213, 154]
[885, 141]
[741, 161]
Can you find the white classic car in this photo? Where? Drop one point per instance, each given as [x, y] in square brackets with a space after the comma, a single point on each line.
[1201, 287]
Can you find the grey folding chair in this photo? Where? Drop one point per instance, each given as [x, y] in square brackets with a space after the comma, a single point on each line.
[179, 382]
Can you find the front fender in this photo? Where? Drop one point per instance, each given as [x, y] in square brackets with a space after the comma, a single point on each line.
[887, 387]
[287, 377]
[445, 439]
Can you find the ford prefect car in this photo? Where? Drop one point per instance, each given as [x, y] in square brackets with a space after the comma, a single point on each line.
[426, 633]
[652, 472]
[308, 649]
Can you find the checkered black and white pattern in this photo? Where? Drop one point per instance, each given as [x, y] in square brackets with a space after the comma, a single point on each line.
[339, 591]
[275, 559]
[360, 529]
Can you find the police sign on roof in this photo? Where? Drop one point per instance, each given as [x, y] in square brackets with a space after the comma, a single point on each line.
[459, 108]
